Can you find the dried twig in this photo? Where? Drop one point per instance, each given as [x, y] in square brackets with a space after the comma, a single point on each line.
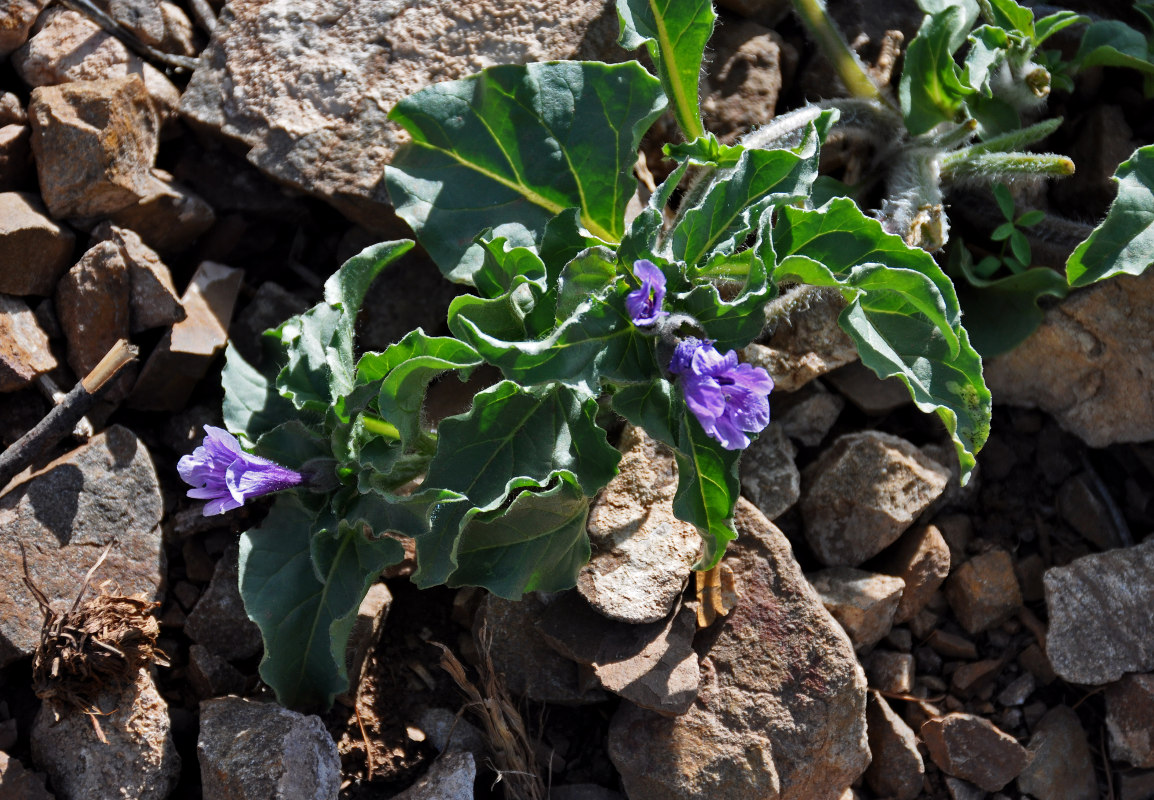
[129, 39]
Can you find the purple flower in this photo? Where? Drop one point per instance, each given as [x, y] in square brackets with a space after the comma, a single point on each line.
[729, 399]
[644, 304]
[226, 476]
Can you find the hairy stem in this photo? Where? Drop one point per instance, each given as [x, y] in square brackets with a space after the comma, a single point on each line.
[845, 61]
[967, 167]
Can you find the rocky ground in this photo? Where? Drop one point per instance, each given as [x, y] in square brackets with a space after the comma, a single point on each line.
[875, 632]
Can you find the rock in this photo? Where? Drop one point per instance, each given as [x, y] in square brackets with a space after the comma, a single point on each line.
[448, 731]
[254, 751]
[1060, 766]
[34, 250]
[951, 645]
[983, 592]
[136, 725]
[157, 23]
[19, 783]
[781, 711]
[652, 665]
[309, 94]
[95, 142]
[1033, 659]
[963, 790]
[94, 306]
[1084, 511]
[271, 305]
[861, 386]
[168, 216]
[11, 109]
[210, 675]
[1082, 366]
[969, 679]
[921, 558]
[769, 478]
[64, 513]
[862, 602]
[862, 492]
[183, 356]
[218, 621]
[1129, 711]
[1099, 609]
[744, 80]
[1138, 785]
[896, 770]
[16, 20]
[70, 47]
[24, 350]
[890, 672]
[154, 300]
[1018, 691]
[529, 667]
[450, 777]
[972, 748]
[16, 168]
[807, 343]
[809, 419]
[642, 554]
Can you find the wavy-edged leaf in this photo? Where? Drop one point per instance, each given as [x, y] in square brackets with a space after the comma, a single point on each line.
[931, 90]
[1112, 43]
[653, 407]
[1124, 243]
[512, 147]
[988, 49]
[586, 275]
[1013, 17]
[252, 405]
[733, 323]
[644, 234]
[1001, 314]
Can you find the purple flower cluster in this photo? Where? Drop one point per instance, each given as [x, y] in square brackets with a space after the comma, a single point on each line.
[226, 476]
[729, 399]
[644, 304]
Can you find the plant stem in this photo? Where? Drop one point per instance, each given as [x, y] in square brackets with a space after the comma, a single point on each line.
[829, 39]
[965, 166]
[380, 427]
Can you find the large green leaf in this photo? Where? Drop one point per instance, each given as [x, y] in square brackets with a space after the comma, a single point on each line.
[512, 147]
[538, 543]
[652, 406]
[931, 90]
[1124, 242]
[588, 274]
[305, 621]
[736, 322]
[675, 34]
[252, 404]
[1111, 43]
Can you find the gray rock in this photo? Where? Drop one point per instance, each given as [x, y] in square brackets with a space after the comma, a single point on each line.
[34, 250]
[24, 350]
[308, 91]
[896, 770]
[862, 602]
[973, 749]
[19, 783]
[211, 675]
[1129, 713]
[921, 558]
[94, 306]
[769, 478]
[155, 303]
[781, 711]
[448, 731]
[642, 554]
[450, 777]
[863, 492]
[890, 672]
[11, 109]
[255, 751]
[862, 387]
[64, 514]
[808, 420]
[139, 760]
[1061, 767]
[168, 216]
[156, 22]
[218, 621]
[1083, 367]
[1100, 623]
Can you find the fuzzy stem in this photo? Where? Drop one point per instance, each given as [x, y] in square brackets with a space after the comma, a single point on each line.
[829, 39]
[963, 166]
[1014, 140]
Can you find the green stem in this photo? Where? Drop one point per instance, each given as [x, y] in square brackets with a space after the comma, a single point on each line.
[1014, 140]
[380, 427]
[990, 167]
[845, 61]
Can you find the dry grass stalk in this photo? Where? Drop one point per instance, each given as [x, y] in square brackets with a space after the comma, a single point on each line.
[503, 725]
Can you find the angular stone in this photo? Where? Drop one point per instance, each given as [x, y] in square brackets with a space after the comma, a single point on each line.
[983, 592]
[94, 306]
[862, 387]
[743, 82]
[154, 300]
[1060, 767]
[1130, 719]
[890, 672]
[1018, 691]
[969, 679]
[1081, 365]
[450, 777]
[863, 492]
[183, 356]
[168, 216]
[19, 783]
[34, 250]
[70, 47]
[95, 142]
[254, 751]
[1084, 511]
[446, 730]
[16, 168]
[210, 675]
[781, 711]
[271, 305]
[921, 558]
[64, 514]
[972, 748]
[809, 419]
[769, 478]
[24, 350]
[896, 770]
[11, 109]
[642, 554]
[219, 621]
[862, 602]
[16, 20]
[310, 123]
[136, 725]
[1100, 621]
[157, 23]
[652, 665]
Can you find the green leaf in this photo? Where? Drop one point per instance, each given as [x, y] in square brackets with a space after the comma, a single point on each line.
[707, 487]
[1002, 232]
[732, 324]
[293, 444]
[644, 234]
[1005, 200]
[704, 150]
[675, 34]
[652, 406]
[1030, 218]
[537, 543]
[305, 621]
[502, 266]
[988, 48]
[588, 274]
[319, 343]
[1124, 242]
[1013, 17]
[931, 90]
[512, 147]
[1111, 43]
[252, 404]
[1058, 21]
[1020, 245]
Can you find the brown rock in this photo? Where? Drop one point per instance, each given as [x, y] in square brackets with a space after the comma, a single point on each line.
[95, 142]
[16, 168]
[769, 478]
[921, 558]
[642, 554]
[744, 80]
[1061, 767]
[861, 386]
[24, 351]
[969, 747]
[781, 707]
[19, 783]
[34, 250]
[156, 22]
[11, 109]
[809, 419]
[1034, 660]
[136, 725]
[984, 592]
[652, 665]
[952, 645]
[807, 344]
[863, 603]
[969, 679]
[890, 672]
[863, 492]
[16, 20]
[1100, 621]
[182, 358]
[219, 621]
[896, 770]
[168, 216]
[1086, 512]
[94, 306]
[154, 300]
[1130, 719]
